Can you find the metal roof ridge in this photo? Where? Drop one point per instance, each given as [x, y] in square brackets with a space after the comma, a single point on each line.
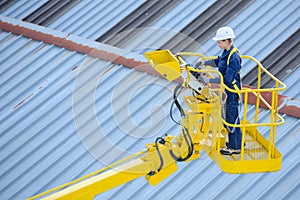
[79, 44]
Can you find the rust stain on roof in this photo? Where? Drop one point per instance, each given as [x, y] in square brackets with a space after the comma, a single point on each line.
[23, 101]
[105, 72]
[75, 67]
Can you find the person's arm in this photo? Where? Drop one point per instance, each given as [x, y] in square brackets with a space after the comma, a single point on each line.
[210, 62]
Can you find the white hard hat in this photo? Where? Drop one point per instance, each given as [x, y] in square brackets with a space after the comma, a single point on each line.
[224, 33]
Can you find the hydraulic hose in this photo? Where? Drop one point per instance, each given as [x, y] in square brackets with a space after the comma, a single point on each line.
[188, 140]
[175, 101]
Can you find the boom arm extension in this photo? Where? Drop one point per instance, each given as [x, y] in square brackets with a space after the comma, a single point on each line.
[107, 180]
[159, 160]
[155, 164]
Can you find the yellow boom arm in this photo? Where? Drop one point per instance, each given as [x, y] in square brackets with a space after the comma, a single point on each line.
[156, 163]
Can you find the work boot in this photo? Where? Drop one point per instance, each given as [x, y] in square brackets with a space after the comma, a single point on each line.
[226, 143]
[229, 151]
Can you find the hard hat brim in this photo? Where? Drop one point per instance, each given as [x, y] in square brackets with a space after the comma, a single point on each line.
[216, 38]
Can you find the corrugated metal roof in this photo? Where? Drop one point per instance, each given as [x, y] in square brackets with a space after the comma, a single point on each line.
[22, 8]
[90, 19]
[35, 89]
[40, 146]
[292, 84]
[127, 32]
[168, 25]
[39, 139]
[50, 11]
[207, 23]
[42, 149]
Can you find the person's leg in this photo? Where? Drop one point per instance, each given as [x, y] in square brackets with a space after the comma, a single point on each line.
[235, 138]
[232, 117]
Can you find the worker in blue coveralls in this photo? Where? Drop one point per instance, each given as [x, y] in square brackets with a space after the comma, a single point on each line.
[229, 65]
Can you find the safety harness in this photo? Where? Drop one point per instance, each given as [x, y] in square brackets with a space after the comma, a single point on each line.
[232, 51]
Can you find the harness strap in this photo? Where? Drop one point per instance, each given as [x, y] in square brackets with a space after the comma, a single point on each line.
[233, 50]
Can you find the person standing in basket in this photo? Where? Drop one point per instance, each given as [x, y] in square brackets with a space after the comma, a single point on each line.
[229, 65]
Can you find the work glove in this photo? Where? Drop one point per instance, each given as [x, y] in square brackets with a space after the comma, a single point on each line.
[199, 64]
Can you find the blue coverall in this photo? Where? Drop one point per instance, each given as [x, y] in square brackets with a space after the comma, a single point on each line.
[230, 73]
